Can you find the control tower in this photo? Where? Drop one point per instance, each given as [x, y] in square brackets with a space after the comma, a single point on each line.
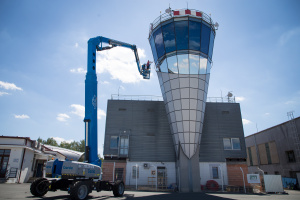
[182, 46]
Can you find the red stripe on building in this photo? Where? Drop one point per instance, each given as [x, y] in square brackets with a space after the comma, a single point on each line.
[176, 12]
[198, 14]
[187, 12]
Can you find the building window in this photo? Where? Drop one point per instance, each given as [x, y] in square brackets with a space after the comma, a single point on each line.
[231, 143]
[135, 172]
[290, 156]
[114, 142]
[250, 156]
[268, 153]
[215, 173]
[276, 173]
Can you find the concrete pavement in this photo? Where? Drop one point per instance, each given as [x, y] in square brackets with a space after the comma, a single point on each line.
[22, 191]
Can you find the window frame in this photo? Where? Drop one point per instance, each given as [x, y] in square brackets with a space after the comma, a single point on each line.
[110, 142]
[231, 144]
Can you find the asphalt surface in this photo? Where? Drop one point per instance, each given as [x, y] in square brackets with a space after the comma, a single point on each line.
[22, 191]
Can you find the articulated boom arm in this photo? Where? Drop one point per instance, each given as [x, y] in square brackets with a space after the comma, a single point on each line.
[96, 44]
[143, 69]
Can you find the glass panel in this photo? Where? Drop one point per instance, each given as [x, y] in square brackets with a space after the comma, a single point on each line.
[169, 37]
[236, 143]
[185, 115]
[215, 173]
[178, 115]
[194, 63]
[186, 138]
[164, 67]
[227, 143]
[183, 64]
[205, 35]
[186, 126]
[153, 48]
[159, 43]
[179, 127]
[185, 103]
[194, 35]
[177, 103]
[211, 44]
[203, 65]
[114, 142]
[174, 83]
[208, 67]
[1, 151]
[172, 64]
[167, 86]
[171, 107]
[182, 33]
[176, 95]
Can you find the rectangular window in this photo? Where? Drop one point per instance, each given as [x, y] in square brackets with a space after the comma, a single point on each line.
[236, 143]
[215, 173]
[268, 153]
[114, 142]
[250, 156]
[290, 156]
[231, 143]
[135, 172]
[227, 143]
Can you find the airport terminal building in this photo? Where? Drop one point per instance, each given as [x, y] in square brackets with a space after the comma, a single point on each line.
[182, 140]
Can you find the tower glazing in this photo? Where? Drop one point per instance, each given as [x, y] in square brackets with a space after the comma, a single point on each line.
[182, 46]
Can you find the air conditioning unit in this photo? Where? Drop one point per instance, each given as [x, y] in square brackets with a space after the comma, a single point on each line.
[146, 166]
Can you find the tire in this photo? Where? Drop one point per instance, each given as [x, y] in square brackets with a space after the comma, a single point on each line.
[119, 189]
[80, 190]
[39, 187]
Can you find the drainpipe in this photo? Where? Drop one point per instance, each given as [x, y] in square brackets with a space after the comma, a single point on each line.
[24, 150]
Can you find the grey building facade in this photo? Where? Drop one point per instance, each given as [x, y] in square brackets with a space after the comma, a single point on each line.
[275, 150]
[137, 135]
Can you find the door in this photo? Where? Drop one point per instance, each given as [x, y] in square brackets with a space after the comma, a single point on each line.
[124, 145]
[161, 177]
[4, 158]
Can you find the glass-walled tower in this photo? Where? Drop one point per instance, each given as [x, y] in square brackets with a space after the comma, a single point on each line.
[182, 46]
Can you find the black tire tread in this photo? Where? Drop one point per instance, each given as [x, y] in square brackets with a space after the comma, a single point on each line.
[116, 189]
[74, 190]
[33, 187]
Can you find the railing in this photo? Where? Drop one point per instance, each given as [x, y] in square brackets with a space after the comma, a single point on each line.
[221, 99]
[165, 16]
[136, 97]
[11, 172]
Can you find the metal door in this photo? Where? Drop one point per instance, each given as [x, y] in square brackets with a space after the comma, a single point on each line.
[161, 177]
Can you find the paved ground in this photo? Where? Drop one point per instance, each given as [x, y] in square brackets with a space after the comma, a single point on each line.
[21, 191]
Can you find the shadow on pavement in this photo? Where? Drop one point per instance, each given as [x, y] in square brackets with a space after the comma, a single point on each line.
[169, 196]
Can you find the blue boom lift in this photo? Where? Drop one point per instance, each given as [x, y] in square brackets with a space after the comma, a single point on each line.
[80, 178]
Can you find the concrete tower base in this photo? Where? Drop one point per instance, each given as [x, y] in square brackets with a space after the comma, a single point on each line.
[188, 172]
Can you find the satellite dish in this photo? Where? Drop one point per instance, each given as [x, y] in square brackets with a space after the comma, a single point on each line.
[217, 25]
[168, 10]
[229, 94]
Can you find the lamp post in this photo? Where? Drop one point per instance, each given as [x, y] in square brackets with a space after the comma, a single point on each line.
[222, 178]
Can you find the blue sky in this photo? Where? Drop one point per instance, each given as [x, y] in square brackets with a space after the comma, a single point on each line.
[43, 60]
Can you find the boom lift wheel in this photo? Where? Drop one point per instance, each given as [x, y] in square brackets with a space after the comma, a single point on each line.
[118, 189]
[39, 187]
[79, 190]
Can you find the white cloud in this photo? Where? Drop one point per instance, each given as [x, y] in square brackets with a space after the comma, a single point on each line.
[3, 93]
[267, 114]
[9, 86]
[62, 117]
[104, 82]
[120, 63]
[59, 140]
[286, 36]
[76, 45]
[101, 113]
[79, 70]
[22, 116]
[240, 99]
[246, 121]
[78, 110]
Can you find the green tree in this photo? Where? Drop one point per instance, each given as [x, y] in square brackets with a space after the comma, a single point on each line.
[76, 146]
